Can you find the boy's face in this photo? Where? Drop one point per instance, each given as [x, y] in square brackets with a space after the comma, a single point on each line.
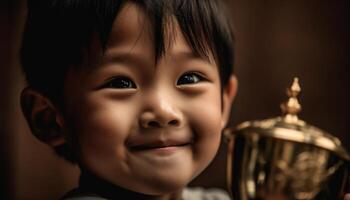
[144, 125]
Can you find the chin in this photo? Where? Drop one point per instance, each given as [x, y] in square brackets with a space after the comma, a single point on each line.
[162, 187]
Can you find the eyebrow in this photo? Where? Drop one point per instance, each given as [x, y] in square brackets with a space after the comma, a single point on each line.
[121, 57]
[136, 60]
[190, 55]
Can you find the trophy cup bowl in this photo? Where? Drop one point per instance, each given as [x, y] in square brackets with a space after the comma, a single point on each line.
[284, 158]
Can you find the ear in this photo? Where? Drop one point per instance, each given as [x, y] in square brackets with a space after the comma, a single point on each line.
[229, 93]
[44, 120]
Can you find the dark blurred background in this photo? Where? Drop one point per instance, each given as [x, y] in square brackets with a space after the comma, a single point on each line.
[276, 41]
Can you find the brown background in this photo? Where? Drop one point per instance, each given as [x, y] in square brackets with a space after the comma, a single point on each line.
[276, 40]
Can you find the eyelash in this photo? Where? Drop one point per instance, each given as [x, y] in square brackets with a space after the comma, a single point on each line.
[123, 82]
[191, 77]
[120, 82]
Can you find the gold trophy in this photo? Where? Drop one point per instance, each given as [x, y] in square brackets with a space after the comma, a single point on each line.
[285, 158]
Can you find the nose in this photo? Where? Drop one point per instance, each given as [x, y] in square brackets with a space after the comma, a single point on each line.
[160, 112]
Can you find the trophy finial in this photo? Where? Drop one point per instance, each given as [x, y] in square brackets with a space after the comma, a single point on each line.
[291, 107]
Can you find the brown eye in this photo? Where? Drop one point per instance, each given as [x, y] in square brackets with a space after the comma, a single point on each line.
[121, 82]
[189, 78]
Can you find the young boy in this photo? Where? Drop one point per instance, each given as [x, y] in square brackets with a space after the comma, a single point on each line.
[135, 92]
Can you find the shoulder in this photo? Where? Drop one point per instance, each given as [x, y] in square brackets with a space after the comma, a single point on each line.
[78, 194]
[84, 198]
[198, 193]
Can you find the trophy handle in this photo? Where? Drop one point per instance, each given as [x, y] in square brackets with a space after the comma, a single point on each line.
[229, 138]
[333, 169]
[347, 181]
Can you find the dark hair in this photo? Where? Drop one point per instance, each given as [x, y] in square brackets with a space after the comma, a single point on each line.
[57, 31]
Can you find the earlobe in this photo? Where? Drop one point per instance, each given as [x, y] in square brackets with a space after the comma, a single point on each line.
[229, 93]
[42, 116]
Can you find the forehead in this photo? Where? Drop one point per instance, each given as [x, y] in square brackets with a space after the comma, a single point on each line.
[134, 30]
[130, 23]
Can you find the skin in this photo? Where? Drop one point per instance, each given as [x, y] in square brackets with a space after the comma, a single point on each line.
[149, 126]
[347, 197]
[146, 125]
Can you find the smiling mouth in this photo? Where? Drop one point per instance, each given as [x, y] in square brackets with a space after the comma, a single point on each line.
[157, 146]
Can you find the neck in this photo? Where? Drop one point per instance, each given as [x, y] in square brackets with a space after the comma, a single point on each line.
[90, 183]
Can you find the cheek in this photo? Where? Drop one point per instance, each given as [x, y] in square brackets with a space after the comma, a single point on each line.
[205, 114]
[204, 118]
[102, 129]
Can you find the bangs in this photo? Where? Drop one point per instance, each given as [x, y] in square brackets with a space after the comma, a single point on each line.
[57, 32]
[205, 25]
[199, 22]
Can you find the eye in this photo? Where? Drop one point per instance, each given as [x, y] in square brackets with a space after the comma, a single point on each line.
[190, 78]
[120, 82]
